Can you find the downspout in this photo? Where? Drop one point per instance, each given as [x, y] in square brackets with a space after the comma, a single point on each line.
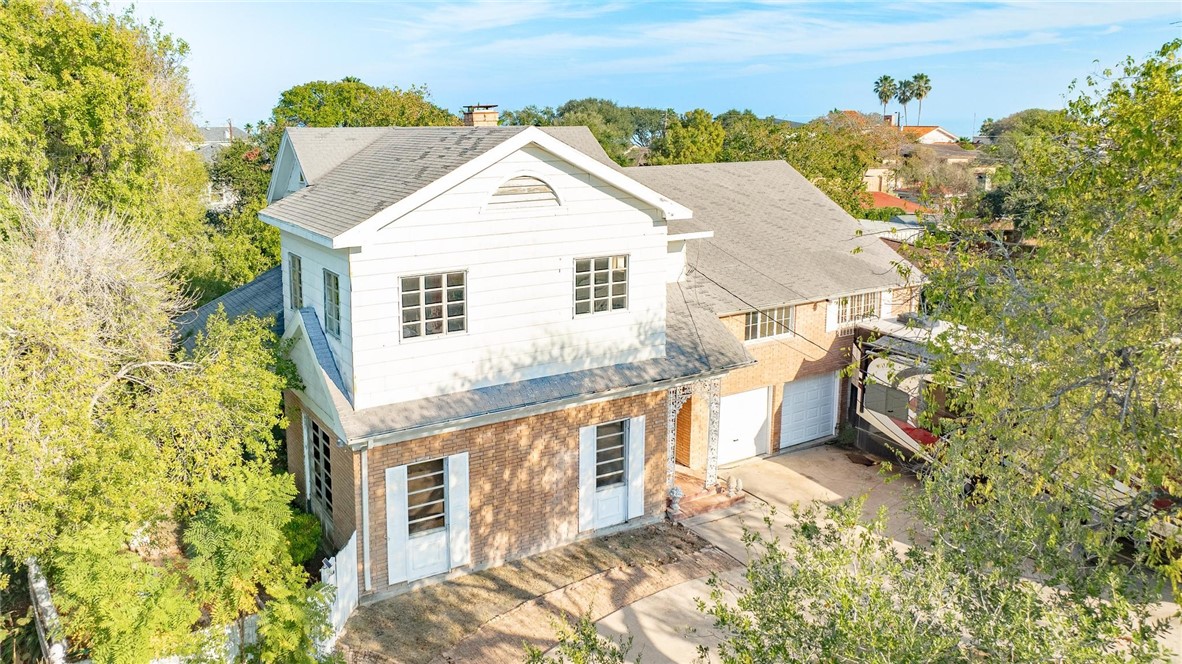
[365, 519]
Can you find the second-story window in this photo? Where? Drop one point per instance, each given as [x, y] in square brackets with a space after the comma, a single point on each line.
[332, 304]
[854, 308]
[434, 304]
[601, 284]
[768, 323]
[296, 279]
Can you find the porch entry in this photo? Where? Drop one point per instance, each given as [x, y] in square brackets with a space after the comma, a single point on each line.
[427, 518]
[611, 473]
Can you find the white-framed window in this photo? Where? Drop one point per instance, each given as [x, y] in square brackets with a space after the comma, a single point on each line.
[611, 454]
[296, 281]
[426, 497]
[601, 284]
[332, 304]
[434, 304]
[320, 466]
[769, 323]
[854, 308]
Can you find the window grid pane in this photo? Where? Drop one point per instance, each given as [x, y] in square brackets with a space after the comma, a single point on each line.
[859, 307]
[332, 304]
[601, 284]
[296, 276]
[768, 323]
[321, 449]
[426, 499]
[434, 304]
[610, 454]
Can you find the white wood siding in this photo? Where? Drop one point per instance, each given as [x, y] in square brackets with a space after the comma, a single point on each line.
[520, 286]
[314, 259]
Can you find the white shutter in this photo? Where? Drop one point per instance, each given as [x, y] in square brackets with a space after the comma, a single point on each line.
[636, 467]
[831, 315]
[586, 478]
[397, 532]
[887, 301]
[459, 546]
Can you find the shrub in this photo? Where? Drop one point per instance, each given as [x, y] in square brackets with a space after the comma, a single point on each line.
[303, 536]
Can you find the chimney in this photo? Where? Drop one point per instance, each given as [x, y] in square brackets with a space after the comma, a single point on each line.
[889, 120]
[481, 115]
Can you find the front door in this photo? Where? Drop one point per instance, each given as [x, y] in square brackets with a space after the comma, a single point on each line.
[426, 519]
[611, 470]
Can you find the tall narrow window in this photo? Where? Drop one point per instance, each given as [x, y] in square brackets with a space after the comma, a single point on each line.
[434, 304]
[426, 499]
[610, 451]
[768, 323]
[320, 450]
[295, 277]
[332, 304]
[601, 284]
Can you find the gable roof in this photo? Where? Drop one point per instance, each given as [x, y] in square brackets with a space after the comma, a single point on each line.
[777, 238]
[919, 131]
[356, 174]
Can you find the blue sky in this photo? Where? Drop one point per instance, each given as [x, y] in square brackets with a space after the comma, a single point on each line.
[794, 60]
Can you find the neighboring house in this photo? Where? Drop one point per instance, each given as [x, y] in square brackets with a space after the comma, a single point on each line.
[879, 199]
[506, 341]
[929, 134]
[214, 139]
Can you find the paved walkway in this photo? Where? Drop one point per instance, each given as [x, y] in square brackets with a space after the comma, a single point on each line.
[502, 639]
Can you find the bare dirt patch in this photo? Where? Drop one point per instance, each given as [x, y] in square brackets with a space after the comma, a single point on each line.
[420, 625]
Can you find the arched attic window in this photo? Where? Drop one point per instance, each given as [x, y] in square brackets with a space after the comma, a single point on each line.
[523, 191]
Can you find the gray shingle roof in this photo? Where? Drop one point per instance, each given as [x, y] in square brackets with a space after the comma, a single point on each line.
[696, 344]
[355, 172]
[777, 238]
[395, 164]
[261, 297]
[320, 347]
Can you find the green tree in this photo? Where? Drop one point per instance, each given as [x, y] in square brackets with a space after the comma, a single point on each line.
[580, 643]
[921, 85]
[905, 93]
[1081, 385]
[351, 103]
[99, 103]
[822, 586]
[693, 138]
[885, 89]
[1027, 146]
[533, 116]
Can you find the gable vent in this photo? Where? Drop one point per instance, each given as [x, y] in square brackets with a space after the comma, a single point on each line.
[523, 192]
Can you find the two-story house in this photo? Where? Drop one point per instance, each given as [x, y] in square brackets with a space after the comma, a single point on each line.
[507, 342]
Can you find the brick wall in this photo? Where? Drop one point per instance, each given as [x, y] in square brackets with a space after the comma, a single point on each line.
[781, 360]
[523, 478]
[346, 473]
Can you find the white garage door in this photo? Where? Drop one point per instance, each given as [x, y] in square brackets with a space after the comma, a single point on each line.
[743, 426]
[809, 410]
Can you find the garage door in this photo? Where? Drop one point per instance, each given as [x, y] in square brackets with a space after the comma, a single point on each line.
[809, 410]
[743, 425]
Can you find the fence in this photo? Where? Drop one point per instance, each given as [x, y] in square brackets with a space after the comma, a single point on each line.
[340, 571]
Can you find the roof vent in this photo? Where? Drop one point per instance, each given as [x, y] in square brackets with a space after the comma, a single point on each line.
[481, 115]
[523, 191]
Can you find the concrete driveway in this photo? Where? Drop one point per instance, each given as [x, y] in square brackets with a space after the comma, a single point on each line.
[667, 627]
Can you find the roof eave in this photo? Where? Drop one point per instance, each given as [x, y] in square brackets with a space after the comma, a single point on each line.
[670, 210]
[297, 230]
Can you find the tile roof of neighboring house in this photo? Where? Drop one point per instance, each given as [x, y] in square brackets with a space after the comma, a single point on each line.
[696, 344]
[261, 297]
[356, 172]
[777, 238]
[882, 199]
[916, 131]
[945, 151]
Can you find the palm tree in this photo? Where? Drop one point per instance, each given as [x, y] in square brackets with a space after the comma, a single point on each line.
[885, 88]
[905, 93]
[921, 85]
